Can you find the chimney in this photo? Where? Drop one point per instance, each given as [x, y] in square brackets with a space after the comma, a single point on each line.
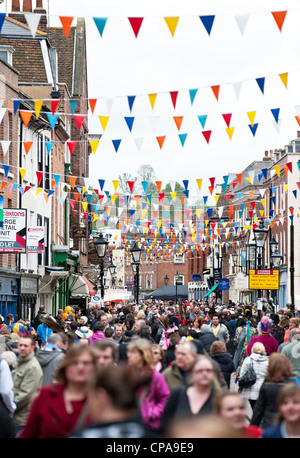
[27, 6]
[43, 25]
[15, 5]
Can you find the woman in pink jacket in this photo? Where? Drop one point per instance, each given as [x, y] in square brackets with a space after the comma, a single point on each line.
[153, 395]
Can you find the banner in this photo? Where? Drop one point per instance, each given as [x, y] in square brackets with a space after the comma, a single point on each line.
[13, 231]
[35, 239]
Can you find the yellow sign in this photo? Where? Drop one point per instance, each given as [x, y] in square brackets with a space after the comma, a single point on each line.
[263, 279]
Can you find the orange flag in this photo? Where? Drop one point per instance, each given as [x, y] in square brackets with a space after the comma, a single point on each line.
[216, 90]
[92, 103]
[279, 17]
[178, 121]
[26, 115]
[66, 22]
[27, 146]
[72, 181]
[161, 140]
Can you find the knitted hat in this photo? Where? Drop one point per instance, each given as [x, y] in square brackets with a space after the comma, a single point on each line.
[265, 325]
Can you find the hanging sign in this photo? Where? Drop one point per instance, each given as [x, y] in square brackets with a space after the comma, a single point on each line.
[263, 279]
[35, 239]
[13, 231]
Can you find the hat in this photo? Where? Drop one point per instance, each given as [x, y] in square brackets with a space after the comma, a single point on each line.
[265, 325]
[84, 332]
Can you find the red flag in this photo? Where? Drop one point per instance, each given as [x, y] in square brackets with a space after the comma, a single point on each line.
[136, 23]
[174, 95]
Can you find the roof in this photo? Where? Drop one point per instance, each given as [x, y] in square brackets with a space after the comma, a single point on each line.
[169, 292]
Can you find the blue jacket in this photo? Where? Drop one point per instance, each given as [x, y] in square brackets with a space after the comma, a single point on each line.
[43, 332]
[272, 432]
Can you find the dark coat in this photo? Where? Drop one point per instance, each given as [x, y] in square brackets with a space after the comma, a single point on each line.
[207, 338]
[226, 363]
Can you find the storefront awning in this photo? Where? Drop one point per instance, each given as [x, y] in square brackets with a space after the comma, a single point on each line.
[80, 286]
[212, 289]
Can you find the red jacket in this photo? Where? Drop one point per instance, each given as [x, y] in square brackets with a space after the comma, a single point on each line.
[48, 417]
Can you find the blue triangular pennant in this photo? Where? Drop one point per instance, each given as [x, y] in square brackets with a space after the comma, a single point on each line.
[145, 186]
[207, 21]
[56, 177]
[185, 184]
[129, 121]
[49, 146]
[16, 106]
[6, 169]
[253, 128]
[182, 138]
[2, 17]
[265, 173]
[73, 105]
[116, 144]
[131, 99]
[101, 184]
[261, 83]
[275, 113]
[100, 23]
[202, 119]
[52, 119]
[193, 93]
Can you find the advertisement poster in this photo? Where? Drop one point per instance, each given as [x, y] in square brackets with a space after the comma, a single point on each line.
[13, 231]
[35, 239]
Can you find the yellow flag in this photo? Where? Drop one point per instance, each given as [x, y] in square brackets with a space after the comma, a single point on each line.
[38, 190]
[84, 206]
[152, 98]
[94, 145]
[95, 216]
[173, 195]
[286, 187]
[38, 105]
[116, 184]
[216, 198]
[277, 169]
[284, 78]
[263, 201]
[251, 116]
[198, 212]
[22, 173]
[172, 24]
[229, 131]
[143, 212]
[249, 179]
[199, 183]
[103, 121]
[113, 198]
[261, 212]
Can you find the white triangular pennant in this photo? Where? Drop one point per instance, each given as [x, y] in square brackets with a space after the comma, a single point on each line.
[32, 20]
[242, 21]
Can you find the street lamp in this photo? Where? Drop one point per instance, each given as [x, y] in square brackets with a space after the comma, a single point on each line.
[100, 245]
[260, 234]
[136, 258]
[166, 279]
[112, 270]
[176, 280]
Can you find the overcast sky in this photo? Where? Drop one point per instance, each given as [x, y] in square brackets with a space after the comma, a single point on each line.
[119, 65]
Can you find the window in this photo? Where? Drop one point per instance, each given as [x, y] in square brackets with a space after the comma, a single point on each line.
[6, 53]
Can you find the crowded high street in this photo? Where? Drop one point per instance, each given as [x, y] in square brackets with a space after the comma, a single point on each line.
[149, 222]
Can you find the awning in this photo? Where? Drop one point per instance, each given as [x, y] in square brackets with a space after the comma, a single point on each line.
[49, 280]
[80, 286]
[212, 289]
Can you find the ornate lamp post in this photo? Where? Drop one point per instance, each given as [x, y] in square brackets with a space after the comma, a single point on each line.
[136, 258]
[100, 245]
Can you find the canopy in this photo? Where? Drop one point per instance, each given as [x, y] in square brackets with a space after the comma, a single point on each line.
[169, 292]
[80, 286]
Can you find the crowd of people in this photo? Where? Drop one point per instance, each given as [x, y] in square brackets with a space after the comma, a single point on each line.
[153, 370]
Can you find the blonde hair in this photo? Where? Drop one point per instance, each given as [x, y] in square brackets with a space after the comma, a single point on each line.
[259, 348]
[145, 348]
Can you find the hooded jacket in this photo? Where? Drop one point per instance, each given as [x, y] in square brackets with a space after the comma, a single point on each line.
[49, 358]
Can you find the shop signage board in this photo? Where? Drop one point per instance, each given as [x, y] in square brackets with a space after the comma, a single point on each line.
[13, 231]
[263, 279]
[35, 239]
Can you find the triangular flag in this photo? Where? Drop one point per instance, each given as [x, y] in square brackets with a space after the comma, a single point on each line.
[199, 183]
[229, 131]
[94, 145]
[242, 21]
[174, 95]
[182, 138]
[79, 118]
[116, 144]
[275, 113]
[66, 22]
[207, 135]
[71, 146]
[131, 99]
[56, 177]
[129, 121]
[2, 18]
[136, 23]
[22, 173]
[284, 78]
[32, 20]
[216, 90]
[207, 21]
[54, 105]
[279, 17]
[103, 121]
[253, 128]
[52, 119]
[261, 83]
[193, 93]
[251, 116]
[131, 185]
[5, 144]
[100, 24]
[227, 118]
[39, 176]
[27, 146]
[25, 115]
[158, 185]
[161, 140]
[49, 146]
[6, 169]
[152, 98]
[178, 121]
[38, 105]
[73, 105]
[16, 105]
[172, 24]
[116, 184]
[202, 119]
[72, 181]
[92, 104]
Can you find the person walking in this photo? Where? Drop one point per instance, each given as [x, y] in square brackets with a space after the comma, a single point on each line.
[259, 361]
[194, 399]
[58, 407]
[264, 336]
[218, 329]
[6, 387]
[218, 352]
[152, 396]
[243, 334]
[287, 421]
[50, 356]
[27, 379]
[279, 373]
[291, 350]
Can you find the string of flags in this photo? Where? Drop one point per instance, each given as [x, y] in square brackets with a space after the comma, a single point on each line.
[207, 22]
